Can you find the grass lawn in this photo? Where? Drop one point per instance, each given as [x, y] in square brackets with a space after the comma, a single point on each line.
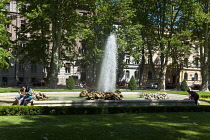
[157, 126]
[5, 90]
[151, 126]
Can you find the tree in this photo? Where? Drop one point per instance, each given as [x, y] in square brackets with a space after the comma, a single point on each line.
[201, 12]
[184, 85]
[53, 26]
[103, 15]
[70, 84]
[132, 84]
[163, 32]
[5, 54]
[99, 25]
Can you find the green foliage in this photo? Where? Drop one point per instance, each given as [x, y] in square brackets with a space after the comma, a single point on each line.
[184, 85]
[130, 40]
[52, 25]
[70, 84]
[157, 26]
[165, 28]
[64, 110]
[5, 56]
[132, 84]
[5, 43]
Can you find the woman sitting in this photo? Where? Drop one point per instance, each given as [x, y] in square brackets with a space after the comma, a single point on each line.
[21, 96]
[28, 97]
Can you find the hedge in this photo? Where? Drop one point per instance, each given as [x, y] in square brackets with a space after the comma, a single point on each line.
[64, 110]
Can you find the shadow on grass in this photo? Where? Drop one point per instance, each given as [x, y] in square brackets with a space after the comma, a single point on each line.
[107, 126]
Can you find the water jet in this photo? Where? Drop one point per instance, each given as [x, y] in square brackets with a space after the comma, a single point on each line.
[107, 76]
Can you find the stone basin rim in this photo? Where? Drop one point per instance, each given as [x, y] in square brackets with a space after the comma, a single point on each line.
[181, 100]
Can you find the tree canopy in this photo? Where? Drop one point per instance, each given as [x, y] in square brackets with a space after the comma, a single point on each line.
[5, 54]
[145, 27]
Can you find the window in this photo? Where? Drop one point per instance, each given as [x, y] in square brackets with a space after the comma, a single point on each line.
[127, 74]
[149, 75]
[20, 79]
[7, 26]
[83, 13]
[83, 66]
[23, 45]
[149, 60]
[173, 61]
[185, 76]
[33, 68]
[67, 50]
[33, 79]
[23, 24]
[196, 48]
[83, 76]
[67, 67]
[196, 62]
[137, 62]
[83, 49]
[20, 67]
[80, 50]
[196, 76]
[136, 74]
[4, 80]
[127, 60]
[186, 62]
[7, 6]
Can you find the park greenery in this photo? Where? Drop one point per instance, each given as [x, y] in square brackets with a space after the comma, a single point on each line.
[129, 126]
[184, 86]
[132, 84]
[5, 42]
[70, 84]
[165, 26]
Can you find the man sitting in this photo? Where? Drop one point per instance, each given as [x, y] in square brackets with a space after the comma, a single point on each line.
[193, 95]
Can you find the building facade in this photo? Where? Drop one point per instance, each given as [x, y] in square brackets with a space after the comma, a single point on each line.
[189, 71]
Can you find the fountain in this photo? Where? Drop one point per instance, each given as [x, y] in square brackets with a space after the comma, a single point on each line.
[107, 77]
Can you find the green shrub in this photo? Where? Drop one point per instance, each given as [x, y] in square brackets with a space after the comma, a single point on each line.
[132, 84]
[184, 85]
[70, 84]
[71, 110]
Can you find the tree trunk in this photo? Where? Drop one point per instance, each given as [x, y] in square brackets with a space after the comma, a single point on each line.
[56, 29]
[163, 68]
[205, 61]
[57, 23]
[162, 78]
[141, 69]
[56, 37]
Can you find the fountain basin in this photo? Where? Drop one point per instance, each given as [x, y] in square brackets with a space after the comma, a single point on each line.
[131, 99]
[120, 103]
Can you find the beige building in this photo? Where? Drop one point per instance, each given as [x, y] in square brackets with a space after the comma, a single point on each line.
[190, 71]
